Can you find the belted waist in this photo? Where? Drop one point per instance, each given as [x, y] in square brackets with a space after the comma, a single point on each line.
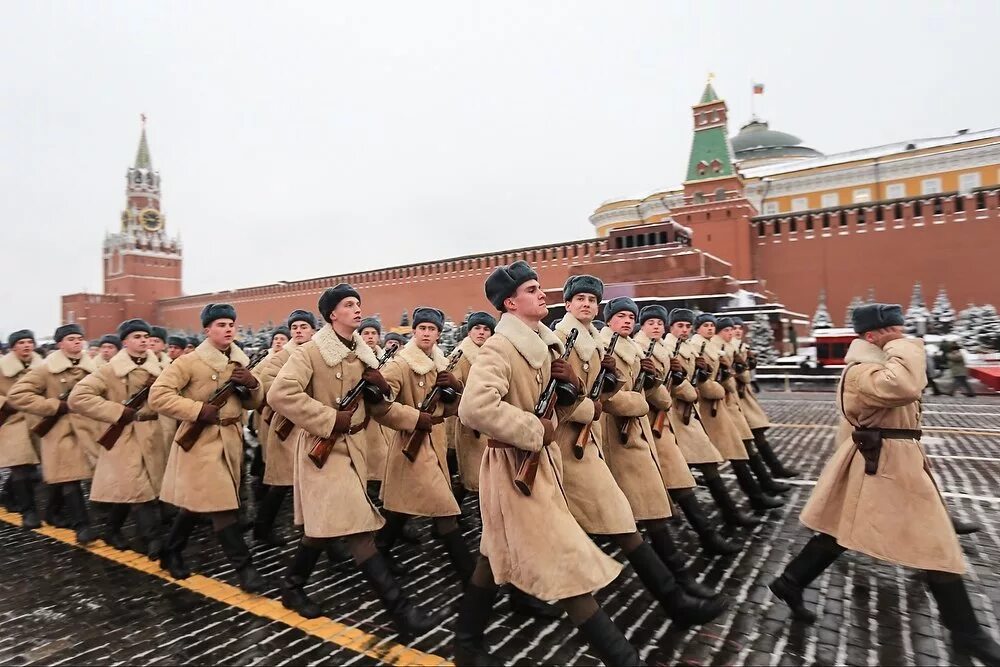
[357, 428]
[496, 444]
[229, 421]
[147, 417]
[899, 433]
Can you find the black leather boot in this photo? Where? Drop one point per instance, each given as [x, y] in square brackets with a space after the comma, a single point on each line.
[23, 493]
[778, 469]
[336, 552]
[236, 550]
[172, 557]
[608, 641]
[964, 527]
[55, 508]
[528, 605]
[759, 501]
[767, 483]
[112, 534]
[682, 609]
[76, 507]
[267, 512]
[293, 594]
[408, 619]
[473, 616]
[387, 537]
[817, 555]
[711, 541]
[967, 636]
[665, 547]
[459, 554]
[147, 519]
[731, 513]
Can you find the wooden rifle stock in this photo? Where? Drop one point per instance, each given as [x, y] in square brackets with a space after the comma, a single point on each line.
[42, 428]
[428, 405]
[282, 426]
[527, 462]
[595, 394]
[323, 446]
[695, 379]
[114, 432]
[219, 397]
[660, 416]
[640, 382]
[6, 412]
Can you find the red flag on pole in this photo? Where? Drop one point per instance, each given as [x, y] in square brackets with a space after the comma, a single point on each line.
[758, 89]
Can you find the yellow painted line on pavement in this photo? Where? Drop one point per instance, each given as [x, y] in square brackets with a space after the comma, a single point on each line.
[388, 652]
[926, 429]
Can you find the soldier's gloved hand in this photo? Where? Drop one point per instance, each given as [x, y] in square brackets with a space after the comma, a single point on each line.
[374, 378]
[701, 363]
[342, 423]
[62, 409]
[448, 379]
[244, 378]
[752, 362]
[562, 371]
[608, 363]
[548, 430]
[128, 415]
[648, 366]
[209, 414]
[675, 364]
[424, 422]
[598, 409]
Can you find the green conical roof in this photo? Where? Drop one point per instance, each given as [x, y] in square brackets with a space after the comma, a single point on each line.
[142, 157]
[709, 95]
[708, 145]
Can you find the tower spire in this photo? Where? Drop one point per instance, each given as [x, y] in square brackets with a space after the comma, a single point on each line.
[142, 157]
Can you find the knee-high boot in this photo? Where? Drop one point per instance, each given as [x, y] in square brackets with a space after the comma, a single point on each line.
[967, 636]
[658, 580]
[293, 594]
[112, 535]
[759, 501]
[267, 513]
[172, 557]
[55, 514]
[608, 641]
[665, 547]
[778, 468]
[236, 550]
[760, 470]
[24, 495]
[148, 521]
[459, 554]
[76, 507]
[408, 619]
[731, 513]
[817, 555]
[711, 541]
[470, 627]
[387, 537]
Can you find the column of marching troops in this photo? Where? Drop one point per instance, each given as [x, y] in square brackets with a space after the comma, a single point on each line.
[564, 434]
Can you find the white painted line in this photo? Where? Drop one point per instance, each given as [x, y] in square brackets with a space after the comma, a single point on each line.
[987, 459]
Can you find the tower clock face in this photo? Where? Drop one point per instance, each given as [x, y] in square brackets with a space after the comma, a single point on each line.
[151, 220]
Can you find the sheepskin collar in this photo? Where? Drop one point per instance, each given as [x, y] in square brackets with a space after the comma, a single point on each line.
[586, 340]
[469, 349]
[719, 343]
[711, 351]
[122, 364]
[419, 362]
[863, 352]
[664, 347]
[57, 362]
[532, 344]
[11, 366]
[686, 351]
[218, 361]
[334, 352]
[626, 349]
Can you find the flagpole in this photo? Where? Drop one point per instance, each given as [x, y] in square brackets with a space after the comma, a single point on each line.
[753, 109]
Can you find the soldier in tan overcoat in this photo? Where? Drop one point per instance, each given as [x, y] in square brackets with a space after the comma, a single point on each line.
[158, 345]
[206, 478]
[876, 494]
[278, 452]
[469, 445]
[422, 487]
[330, 495]
[673, 465]
[377, 436]
[19, 448]
[131, 472]
[43, 392]
[108, 346]
[716, 418]
[531, 541]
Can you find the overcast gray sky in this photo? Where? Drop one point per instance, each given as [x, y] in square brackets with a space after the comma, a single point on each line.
[308, 139]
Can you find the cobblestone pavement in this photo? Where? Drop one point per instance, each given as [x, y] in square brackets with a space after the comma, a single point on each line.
[64, 604]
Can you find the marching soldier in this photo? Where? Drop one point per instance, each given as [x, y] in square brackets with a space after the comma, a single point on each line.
[205, 478]
[19, 447]
[108, 346]
[279, 338]
[745, 361]
[723, 339]
[422, 486]
[128, 474]
[376, 435]
[714, 416]
[673, 466]
[531, 541]
[630, 448]
[192, 344]
[876, 494]
[687, 426]
[260, 426]
[43, 392]
[393, 339]
[330, 497]
[175, 348]
[469, 445]
[158, 344]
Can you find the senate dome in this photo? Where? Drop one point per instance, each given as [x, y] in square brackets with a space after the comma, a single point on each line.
[758, 144]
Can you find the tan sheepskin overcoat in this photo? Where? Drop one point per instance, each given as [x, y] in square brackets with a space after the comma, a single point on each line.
[896, 515]
[206, 478]
[691, 437]
[330, 501]
[752, 409]
[377, 439]
[132, 471]
[421, 487]
[18, 446]
[531, 541]
[469, 445]
[68, 450]
[633, 460]
[264, 412]
[279, 455]
[720, 427]
[732, 401]
[673, 466]
[594, 497]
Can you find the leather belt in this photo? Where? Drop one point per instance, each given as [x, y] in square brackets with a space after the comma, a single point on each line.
[496, 444]
[147, 417]
[900, 433]
[358, 427]
[229, 421]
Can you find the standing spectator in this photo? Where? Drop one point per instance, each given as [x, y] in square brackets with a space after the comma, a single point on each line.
[934, 370]
[959, 373]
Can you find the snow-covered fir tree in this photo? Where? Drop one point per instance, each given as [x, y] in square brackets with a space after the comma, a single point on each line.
[942, 314]
[917, 318]
[871, 295]
[449, 337]
[855, 302]
[404, 321]
[762, 339]
[821, 318]
[978, 329]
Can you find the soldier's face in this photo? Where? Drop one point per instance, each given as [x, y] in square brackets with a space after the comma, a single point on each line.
[583, 307]
[738, 333]
[622, 322]
[370, 336]
[681, 330]
[426, 336]
[726, 334]
[173, 351]
[302, 332]
[23, 348]
[155, 345]
[278, 342]
[221, 332]
[479, 334]
[107, 351]
[347, 313]
[71, 345]
[653, 327]
[528, 302]
[706, 330]
[136, 343]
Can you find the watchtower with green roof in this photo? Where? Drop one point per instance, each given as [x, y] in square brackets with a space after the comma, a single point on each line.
[710, 170]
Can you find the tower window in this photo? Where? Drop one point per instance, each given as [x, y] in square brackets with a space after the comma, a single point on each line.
[777, 227]
[760, 228]
[720, 193]
[699, 198]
